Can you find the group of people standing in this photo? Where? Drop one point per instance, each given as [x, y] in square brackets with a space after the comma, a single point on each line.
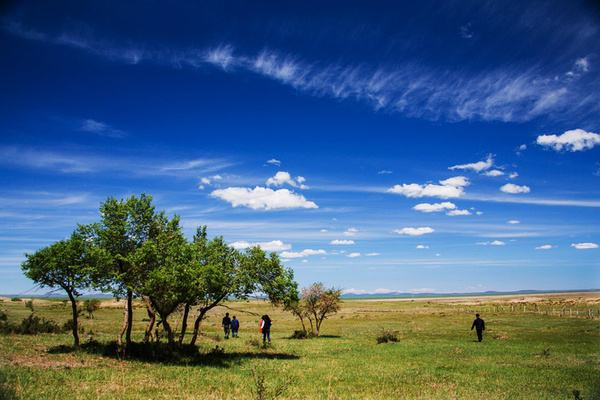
[233, 325]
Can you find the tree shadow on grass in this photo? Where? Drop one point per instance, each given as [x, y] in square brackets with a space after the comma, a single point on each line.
[172, 355]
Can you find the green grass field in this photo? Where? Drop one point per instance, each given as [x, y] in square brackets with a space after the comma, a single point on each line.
[525, 355]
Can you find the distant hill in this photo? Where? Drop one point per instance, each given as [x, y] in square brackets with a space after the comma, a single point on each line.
[393, 295]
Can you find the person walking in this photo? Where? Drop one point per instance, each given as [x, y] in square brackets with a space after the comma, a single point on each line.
[226, 324]
[479, 326]
[235, 326]
[265, 328]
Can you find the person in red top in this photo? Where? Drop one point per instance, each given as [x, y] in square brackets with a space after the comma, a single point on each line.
[265, 328]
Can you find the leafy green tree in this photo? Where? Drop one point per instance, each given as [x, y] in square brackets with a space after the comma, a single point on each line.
[166, 260]
[125, 226]
[90, 306]
[67, 264]
[221, 272]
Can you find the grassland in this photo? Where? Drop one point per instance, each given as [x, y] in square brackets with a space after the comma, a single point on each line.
[539, 353]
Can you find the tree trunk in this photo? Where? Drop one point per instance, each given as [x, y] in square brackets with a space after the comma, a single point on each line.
[75, 315]
[152, 316]
[129, 317]
[197, 326]
[167, 327]
[186, 312]
[124, 325]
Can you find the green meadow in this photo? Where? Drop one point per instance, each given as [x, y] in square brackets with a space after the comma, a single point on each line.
[532, 349]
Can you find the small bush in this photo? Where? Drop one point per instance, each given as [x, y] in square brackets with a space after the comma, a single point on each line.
[15, 299]
[29, 305]
[299, 335]
[33, 325]
[3, 316]
[387, 337]
[91, 305]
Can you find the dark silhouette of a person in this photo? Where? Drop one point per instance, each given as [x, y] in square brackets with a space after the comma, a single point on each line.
[479, 326]
[226, 323]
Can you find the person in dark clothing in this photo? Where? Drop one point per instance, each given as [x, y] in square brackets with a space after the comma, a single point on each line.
[479, 326]
[235, 326]
[226, 323]
[265, 328]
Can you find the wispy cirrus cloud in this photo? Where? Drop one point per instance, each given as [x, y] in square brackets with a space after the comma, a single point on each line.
[508, 93]
[101, 128]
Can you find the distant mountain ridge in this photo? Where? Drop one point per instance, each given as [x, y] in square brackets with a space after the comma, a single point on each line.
[458, 294]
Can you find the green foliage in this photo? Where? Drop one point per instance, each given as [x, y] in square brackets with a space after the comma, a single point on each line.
[91, 305]
[15, 299]
[387, 336]
[29, 305]
[31, 325]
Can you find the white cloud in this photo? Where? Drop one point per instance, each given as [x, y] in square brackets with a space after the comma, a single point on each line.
[282, 177]
[475, 166]
[353, 255]
[479, 212]
[100, 128]
[455, 213]
[261, 198]
[341, 242]
[492, 243]
[274, 245]
[502, 93]
[494, 172]
[303, 253]
[573, 140]
[422, 246]
[584, 246]
[372, 254]
[410, 231]
[435, 207]
[523, 147]
[456, 181]
[350, 232]
[221, 56]
[513, 175]
[323, 231]
[582, 64]
[545, 247]
[274, 161]
[384, 172]
[514, 189]
[513, 221]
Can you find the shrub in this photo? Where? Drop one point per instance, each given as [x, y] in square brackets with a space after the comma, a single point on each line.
[387, 336]
[299, 335]
[29, 305]
[15, 299]
[33, 325]
[91, 305]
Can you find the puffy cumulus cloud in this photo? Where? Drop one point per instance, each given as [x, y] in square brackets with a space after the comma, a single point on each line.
[513, 221]
[456, 213]
[456, 181]
[494, 172]
[341, 242]
[273, 245]
[478, 166]
[435, 207]
[545, 247]
[351, 232]
[411, 231]
[492, 243]
[573, 140]
[353, 255]
[513, 175]
[274, 161]
[303, 253]
[514, 189]
[282, 178]
[422, 247]
[261, 198]
[584, 246]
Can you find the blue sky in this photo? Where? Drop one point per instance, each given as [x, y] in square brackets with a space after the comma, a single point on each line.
[411, 147]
